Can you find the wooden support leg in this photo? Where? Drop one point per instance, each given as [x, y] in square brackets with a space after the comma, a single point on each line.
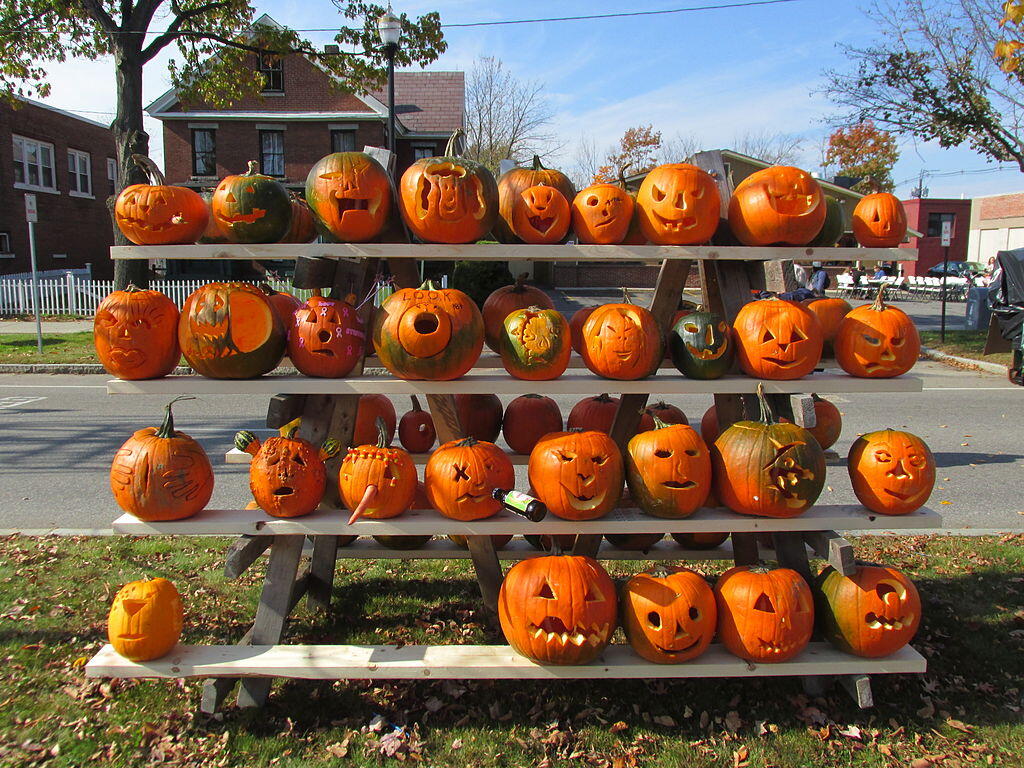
[859, 687]
[744, 549]
[830, 546]
[792, 553]
[243, 553]
[321, 572]
[488, 570]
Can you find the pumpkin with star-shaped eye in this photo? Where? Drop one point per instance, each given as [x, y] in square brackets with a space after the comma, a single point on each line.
[701, 345]
[678, 204]
[872, 613]
[507, 299]
[764, 615]
[879, 221]
[893, 472]
[622, 341]
[527, 419]
[767, 469]
[461, 474]
[511, 186]
[136, 334]
[541, 215]
[230, 331]
[377, 481]
[601, 214]
[668, 470]
[578, 475]
[326, 337]
[877, 341]
[349, 194]
[287, 475]
[777, 339]
[252, 208]
[781, 205]
[536, 344]
[669, 616]
[559, 609]
[145, 619]
[159, 214]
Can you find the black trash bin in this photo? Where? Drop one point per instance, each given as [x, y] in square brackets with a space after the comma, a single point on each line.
[978, 310]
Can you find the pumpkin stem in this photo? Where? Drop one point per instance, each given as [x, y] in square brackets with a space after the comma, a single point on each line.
[267, 289]
[167, 428]
[149, 167]
[132, 288]
[429, 285]
[415, 403]
[329, 449]
[658, 423]
[767, 415]
[254, 168]
[466, 442]
[382, 433]
[622, 174]
[291, 430]
[879, 305]
[537, 164]
[248, 442]
[449, 150]
[520, 285]
[603, 398]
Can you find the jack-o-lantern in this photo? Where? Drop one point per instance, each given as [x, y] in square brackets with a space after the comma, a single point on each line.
[536, 344]
[326, 337]
[349, 194]
[601, 214]
[448, 199]
[701, 345]
[578, 475]
[678, 204]
[879, 221]
[511, 186]
[287, 475]
[527, 419]
[158, 214]
[541, 215]
[303, 226]
[507, 299]
[764, 615]
[559, 609]
[145, 619]
[428, 333]
[877, 341]
[136, 334]
[622, 341]
[230, 331]
[780, 205]
[669, 616]
[252, 208]
[668, 470]
[416, 430]
[893, 472]
[872, 613]
[461, 475]
[777, 339]
[377, 481]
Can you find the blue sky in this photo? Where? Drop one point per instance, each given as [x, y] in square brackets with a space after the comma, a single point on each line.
[711, 74]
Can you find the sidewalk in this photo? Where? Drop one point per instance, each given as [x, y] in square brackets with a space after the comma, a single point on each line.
[49, 326]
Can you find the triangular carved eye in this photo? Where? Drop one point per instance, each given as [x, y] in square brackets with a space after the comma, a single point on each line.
[594, 594]
[764, 603]
[657, 193]
[546, 592]
[767, 336]
[299, 460]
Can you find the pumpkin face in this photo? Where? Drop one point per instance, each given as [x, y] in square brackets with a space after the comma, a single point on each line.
[701, 346]
[136, 334]
[558, 609]
[160, 214]
[527, 419]
[777, 339]
[349, 194]
[778, 205]
[830, 313]
[230, 331]
[391, 473]
[326, 338]
[287, 475]
[536, 344]
[668, 470]
[621, 341]
[428, 333]
[872, 613]
[507, 299]
[678, 204]
[893, 472]
[511, 187]
[541, 215]
[877, 341]
[461, 475]
[764, 615]
[601, 214]
[669, 616]
[879, 221]
[252, 208]
[578, 475]
[145, 619]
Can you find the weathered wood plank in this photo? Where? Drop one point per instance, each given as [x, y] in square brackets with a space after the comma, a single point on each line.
[243, 553]
[830, 546]
[283, 409]
[488, 570]
[321, 572]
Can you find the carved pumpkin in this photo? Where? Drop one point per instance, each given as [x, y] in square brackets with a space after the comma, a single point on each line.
[303, 227]
[830, 313]
[136, 334]
[284, 304]
[480, 416]
[287, 475]
[576, 322]
[828, 423]
[578, 475]
[377, 481]
[527, 419]
[460, 476]
[507, 299]
[701, 346]
[558, 609]
[536, 344]
[777, 339]
[780, 205]
[678, 204]
[252, 208]
[416, 430]
[893, 472]
[834, 226]
[601, 214]
[669, 414]
[685, 308]
[428, 333]
[145, 619]
[622, 341]
[669, 616]
[668, 470]
[371, 408]
[326, 338]
[764, 615]
[161, 474]
[158, 214]
[349, 194]
[700, 540]
[541, 215]
[877, 341]
[879, 221]
[872, 613]
[511, 186]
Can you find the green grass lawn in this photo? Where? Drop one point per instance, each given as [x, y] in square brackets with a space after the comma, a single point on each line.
[54, 595]
[74, 347]
[964, 344]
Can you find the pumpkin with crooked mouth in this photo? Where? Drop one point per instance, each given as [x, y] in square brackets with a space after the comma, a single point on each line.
[602, 213]
[877, 341]
[159, 214]
[512, 187]
[541, 215]
[145, 619]
[136, 334]
[701, 346]
[535, 344]
[668, 470]
[678, 204]
[559, 609]
[622, 341]
[252, 208]
[781, 205]
[326, 337]
[893, 472]
[879, 221]
[460, 476]
[349, 194]
[287, 475]
[764, 615]
[669, 616]
[777, 339]
[578, 475]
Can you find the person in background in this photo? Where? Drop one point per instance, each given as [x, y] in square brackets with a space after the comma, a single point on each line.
[880, 273]
[819, 279]
[802, 279]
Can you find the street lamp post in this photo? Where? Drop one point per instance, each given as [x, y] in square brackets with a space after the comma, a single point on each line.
[390, 28]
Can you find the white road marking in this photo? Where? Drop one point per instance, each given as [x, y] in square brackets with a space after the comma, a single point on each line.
[17, 402]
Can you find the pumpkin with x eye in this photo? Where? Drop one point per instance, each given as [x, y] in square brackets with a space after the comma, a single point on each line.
[252, 208]
[559, 609]
[145, 619]
[461, 475]
[780, 205]
[541, 215]
[764, 615]
[287, 475]
[159, 214]
[601, 214]
[578, 475]
[893, 472]
[511, 188]
[777, 339]
[377, 481]
[326, 337]
[622, 341]
[669, 616]
[701, 346]
[678, 204]
[879, 221]
[668, 470]
[536, 344]
[136, 334]
[349, 194]
[877, 341]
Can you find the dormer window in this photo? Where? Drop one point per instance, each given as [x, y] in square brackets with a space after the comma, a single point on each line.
[272, 69]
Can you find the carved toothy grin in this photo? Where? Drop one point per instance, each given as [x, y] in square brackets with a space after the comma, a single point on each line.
[875, 621]
[142, 224]
[768, 646]
[244, 218]
[553, 629]
[676, 225]
[706, 354]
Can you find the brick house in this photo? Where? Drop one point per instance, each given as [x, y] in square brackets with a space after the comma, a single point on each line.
[997, 224]
[926, 214]
[68, 163]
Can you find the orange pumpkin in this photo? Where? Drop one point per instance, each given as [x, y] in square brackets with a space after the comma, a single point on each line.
[377, 481]
[601, 214]
[136, 334]
[669, 414]
[576, 322]
[507, 299]
[828, 423]
[598, 413]
[709, 430]
[668, 470]
[879, 221]
[416, 430]
[536, 344]
[669, 616]
[527, 419]
[780, 205]
[678, 204]
[830, 313]
[877, 341]
[287, 475]
[303, 227]
[893, 472]
[158, 214]
[578, 475]
[349, 194]
[541, 215]
[622, 341]
[284, 304]
[326, 337]
[145, 619]
[370, 409]
[764, 615]
[777, 339]
[461, 475]
[511, 186]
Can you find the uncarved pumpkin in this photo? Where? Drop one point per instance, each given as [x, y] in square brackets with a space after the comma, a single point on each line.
[830, 313]
[527, 419]
[579, 317]
[507, 299]
[371, 408]
[480, 416]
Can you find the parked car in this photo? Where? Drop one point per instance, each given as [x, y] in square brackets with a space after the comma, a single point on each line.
[957, 269]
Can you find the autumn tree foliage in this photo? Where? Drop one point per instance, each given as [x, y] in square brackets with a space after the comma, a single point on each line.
[638, 151]
[866, 151]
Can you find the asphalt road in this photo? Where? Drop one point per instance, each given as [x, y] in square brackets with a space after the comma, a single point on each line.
[58, 434]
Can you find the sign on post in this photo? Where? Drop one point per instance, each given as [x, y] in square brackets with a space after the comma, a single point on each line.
[31, 211]
[32, 216]
[947, 234]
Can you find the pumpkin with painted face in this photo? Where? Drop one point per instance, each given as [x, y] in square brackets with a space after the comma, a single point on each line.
[678, 204]
[136, 334]
[559, 609]
[578, 475]
[349, 194]
[669, 616]
[536, 344]
[159, 214]
[701, 346]
[877, 341]
[601, 214]
[668, 470]
[377, 481]
[879, 221]
[764, 615]
[893, 472]
[460, 476]
[512, 186]
[287, 475]
[145, 619]
[326, 337]
[622, 341]
[252, 208]
[777, 339]
[230, 331]
[780, 205]
[541, 215]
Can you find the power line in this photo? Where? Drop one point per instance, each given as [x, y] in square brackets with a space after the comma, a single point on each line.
[941, 174]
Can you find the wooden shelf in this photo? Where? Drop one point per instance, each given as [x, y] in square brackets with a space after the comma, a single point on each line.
[235, 456]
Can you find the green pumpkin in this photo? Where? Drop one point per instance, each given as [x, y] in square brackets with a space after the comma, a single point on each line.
[252, 208]
[833, 228]
[701, 346]
[535, 344]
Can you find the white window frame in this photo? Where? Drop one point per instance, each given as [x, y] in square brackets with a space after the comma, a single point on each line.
[112, 173]
[6, 252]
[78, 156]
[21, 146]
[419, 147]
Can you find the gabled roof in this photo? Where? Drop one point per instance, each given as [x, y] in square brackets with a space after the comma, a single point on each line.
[64, 112]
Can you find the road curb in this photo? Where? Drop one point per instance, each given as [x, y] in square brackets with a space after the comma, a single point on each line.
[963, 362]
